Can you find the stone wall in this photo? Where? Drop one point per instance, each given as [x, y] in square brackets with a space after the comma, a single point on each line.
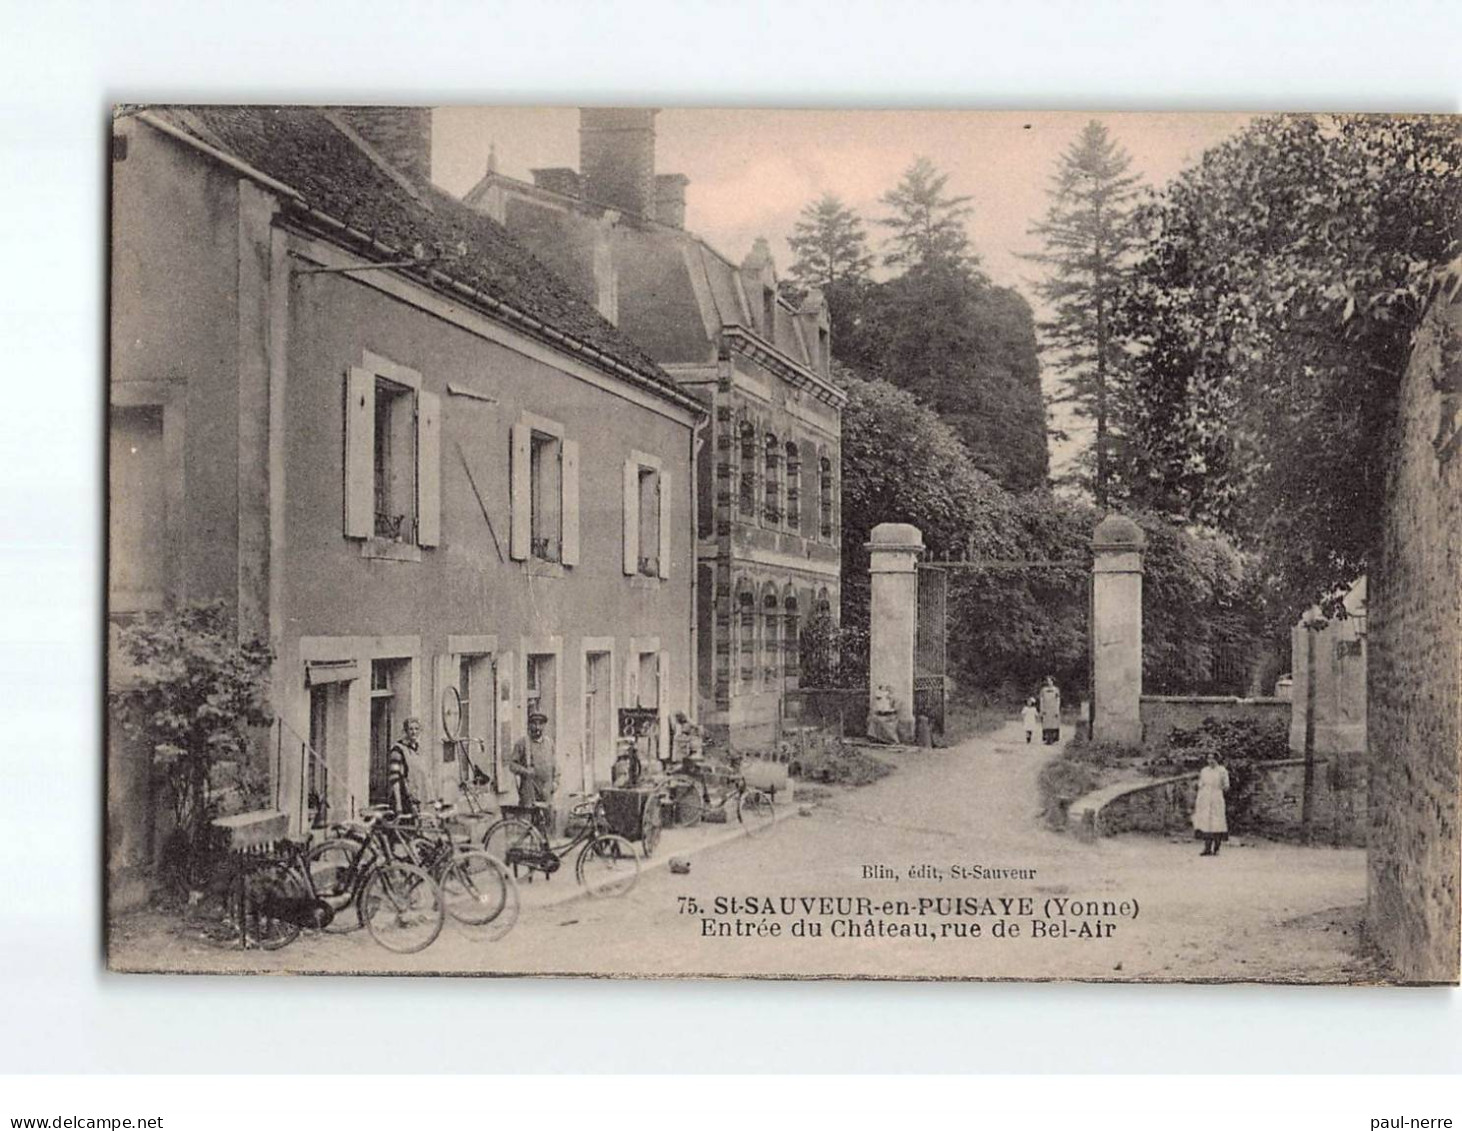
[1161, 713]
[1272, 808]
[1416, 663]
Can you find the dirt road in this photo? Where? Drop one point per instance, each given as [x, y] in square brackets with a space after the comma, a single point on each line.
[869, 884]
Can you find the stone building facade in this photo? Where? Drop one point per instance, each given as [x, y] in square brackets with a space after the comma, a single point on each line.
[400, 448]
[1415, 671]
[767, 466]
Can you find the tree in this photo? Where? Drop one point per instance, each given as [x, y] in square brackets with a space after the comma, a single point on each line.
[1281, 281]
[1089, 239]
[830, 245]
[194, 696]
[928, 227]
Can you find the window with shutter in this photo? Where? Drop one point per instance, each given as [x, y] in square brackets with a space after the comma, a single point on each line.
[569, 554]
[665, 523]
[392, 457]
[646, 517]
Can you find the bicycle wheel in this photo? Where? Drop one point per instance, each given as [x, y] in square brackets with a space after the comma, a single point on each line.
[401, 907]
[474, 887]
[608, 866]
[260, 897]
[516, 843]
[690, 806]
[754, 810]
[333, 866]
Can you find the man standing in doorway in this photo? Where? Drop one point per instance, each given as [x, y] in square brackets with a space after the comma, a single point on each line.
[535, 763]
[398, 769]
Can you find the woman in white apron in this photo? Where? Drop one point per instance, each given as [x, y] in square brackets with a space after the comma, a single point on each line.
[1210, 813]
[1050, 712]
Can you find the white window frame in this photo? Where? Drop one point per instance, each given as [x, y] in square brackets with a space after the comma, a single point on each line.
[360, 449]
[633, 551]
[520, 474]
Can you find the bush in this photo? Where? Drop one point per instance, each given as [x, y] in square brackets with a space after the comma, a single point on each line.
[1060, 783]
[198, 695]
[1102, 755]
[1240, 745]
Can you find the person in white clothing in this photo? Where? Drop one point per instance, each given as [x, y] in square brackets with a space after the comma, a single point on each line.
[1030, 717]
[1210, 811]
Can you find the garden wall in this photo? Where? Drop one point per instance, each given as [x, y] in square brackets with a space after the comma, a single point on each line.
[1272, 809]
[1161, 713]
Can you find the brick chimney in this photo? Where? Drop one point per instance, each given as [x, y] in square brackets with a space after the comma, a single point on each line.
[670, 198]
[617, 158]
[400, 134]
[565, 182]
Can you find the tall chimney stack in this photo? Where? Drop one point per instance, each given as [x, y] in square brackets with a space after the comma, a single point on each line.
[670, 198]
[617, 158]
[400, 134]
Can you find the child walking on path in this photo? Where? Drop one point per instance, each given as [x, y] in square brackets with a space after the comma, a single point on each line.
[1029, 716]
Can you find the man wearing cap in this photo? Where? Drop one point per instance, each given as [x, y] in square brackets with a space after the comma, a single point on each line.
[535, 763]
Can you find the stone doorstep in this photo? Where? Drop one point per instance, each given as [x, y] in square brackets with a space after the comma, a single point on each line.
[563, 888]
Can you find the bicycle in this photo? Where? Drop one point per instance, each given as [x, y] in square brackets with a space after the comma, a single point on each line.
[607, 865]
[397, 900]
[476, 890]
[696, 787]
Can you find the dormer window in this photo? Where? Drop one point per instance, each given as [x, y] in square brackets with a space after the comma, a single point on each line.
[769, 313]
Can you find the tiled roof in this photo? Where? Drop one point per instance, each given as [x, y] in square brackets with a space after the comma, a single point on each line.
[301, 148]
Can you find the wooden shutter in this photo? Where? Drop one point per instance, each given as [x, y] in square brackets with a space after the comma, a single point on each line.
[360, 454]
[569, 515]
[521, 484]
[664, 524]
[631, 517]
[428, 469]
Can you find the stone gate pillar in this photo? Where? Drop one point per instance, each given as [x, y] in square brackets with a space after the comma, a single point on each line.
[1116, 631]
[893, 554]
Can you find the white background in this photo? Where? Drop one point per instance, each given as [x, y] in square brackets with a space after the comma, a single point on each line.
[61, 65]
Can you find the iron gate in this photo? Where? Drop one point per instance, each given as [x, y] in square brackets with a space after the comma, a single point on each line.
[930, 653]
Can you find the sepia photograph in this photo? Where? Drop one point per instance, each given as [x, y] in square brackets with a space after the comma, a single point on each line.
[639, 542]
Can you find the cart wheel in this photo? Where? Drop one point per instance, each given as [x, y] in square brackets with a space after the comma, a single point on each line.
[689, 805]
[651, 826]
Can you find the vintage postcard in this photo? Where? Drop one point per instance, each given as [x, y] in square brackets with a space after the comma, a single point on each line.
[645, 542]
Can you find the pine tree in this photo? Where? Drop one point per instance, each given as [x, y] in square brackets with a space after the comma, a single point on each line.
[1089, 240]
[830, 245]
[928, 227]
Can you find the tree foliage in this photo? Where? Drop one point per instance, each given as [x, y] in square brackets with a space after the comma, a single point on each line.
[193, 694]
[1088, 237]
[830, 246]
[927, 227]
[1009, 627]
[941, 330]
[1270, 321]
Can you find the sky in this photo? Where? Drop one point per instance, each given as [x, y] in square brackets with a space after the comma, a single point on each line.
[752, 170]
